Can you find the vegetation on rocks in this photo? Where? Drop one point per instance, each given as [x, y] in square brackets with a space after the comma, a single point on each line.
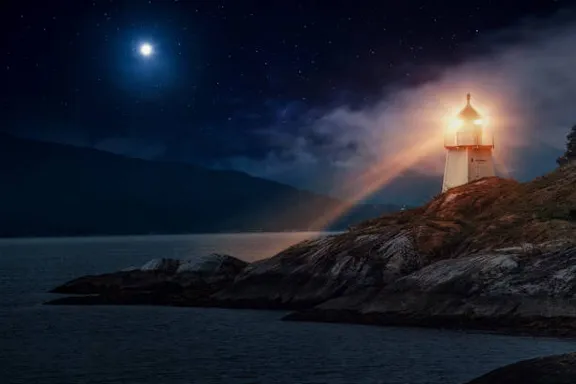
[570, 155]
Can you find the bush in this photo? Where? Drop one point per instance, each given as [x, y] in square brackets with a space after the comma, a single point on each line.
[570, 154]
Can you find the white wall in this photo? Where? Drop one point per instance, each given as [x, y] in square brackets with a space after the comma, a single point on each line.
[464, 165]
[456, 169]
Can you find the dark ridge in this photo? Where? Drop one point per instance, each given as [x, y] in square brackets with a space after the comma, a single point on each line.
[51, 189]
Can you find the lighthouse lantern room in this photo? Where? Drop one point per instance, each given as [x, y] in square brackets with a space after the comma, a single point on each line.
[469, 145]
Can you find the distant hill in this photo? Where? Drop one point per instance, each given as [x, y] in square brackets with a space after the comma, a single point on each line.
[50, 189]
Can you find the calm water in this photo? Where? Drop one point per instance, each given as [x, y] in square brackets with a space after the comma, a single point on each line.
[60, 345]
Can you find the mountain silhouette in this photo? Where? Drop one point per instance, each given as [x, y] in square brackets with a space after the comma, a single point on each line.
[51, 189]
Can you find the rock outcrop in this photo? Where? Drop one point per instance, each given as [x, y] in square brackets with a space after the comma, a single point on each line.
[501, 290]
[158, 282]
[493, 254]
[560, 369]
[318, 270]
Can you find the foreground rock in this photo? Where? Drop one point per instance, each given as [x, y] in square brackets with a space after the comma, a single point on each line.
[559, 369]
[158, 282]
[494, 255]
[504, 290]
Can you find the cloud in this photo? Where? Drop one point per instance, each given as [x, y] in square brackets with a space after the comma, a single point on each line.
[524, 81]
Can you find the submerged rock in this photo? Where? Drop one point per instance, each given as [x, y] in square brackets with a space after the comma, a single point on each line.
[560, 369]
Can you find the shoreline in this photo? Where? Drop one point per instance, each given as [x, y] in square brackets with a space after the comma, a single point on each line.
[535, 327]
[504, 327]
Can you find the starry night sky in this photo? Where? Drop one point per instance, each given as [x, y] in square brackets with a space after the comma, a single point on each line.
[231, 83]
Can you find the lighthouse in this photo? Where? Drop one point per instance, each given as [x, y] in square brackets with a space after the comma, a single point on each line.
[469, 145]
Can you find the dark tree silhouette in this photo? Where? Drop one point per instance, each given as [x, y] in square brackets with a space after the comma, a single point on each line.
[570, 154]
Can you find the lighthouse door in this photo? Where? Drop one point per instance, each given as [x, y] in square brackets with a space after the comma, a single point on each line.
[477, 169]
[479, 165]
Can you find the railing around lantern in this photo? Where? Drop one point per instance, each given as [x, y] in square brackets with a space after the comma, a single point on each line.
[464, 138]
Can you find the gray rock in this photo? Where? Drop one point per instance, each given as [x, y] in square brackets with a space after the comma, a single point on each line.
[318, 270]
[501, 291]
[161, 265]
[130, 269]
[212, 264]
[158, 282]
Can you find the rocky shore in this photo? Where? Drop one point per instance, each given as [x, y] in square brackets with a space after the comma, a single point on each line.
[167, 282]
[504, 291]
[494, 255]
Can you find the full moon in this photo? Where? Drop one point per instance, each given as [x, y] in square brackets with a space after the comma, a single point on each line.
[145, 49]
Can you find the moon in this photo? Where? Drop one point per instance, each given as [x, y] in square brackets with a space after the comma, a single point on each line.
[146, 49]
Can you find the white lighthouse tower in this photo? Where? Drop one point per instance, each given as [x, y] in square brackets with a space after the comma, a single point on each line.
[469, 148]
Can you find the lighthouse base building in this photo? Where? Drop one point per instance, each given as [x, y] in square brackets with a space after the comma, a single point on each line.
[469, 149]
[464, 165]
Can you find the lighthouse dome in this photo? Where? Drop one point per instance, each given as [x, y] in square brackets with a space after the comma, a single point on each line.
[469, 113]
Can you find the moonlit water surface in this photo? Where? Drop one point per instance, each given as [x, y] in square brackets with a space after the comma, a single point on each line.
[59, 345]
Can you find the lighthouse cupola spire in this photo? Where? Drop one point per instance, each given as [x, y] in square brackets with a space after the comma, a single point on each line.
[469, 148]
[468, 112]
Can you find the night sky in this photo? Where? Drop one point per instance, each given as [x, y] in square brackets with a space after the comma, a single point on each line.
[242, 84]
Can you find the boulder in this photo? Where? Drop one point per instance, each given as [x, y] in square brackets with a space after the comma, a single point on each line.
[161, 265]
[559, 369]
[213, 265]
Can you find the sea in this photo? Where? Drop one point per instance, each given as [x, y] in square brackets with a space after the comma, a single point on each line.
[140, 345]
